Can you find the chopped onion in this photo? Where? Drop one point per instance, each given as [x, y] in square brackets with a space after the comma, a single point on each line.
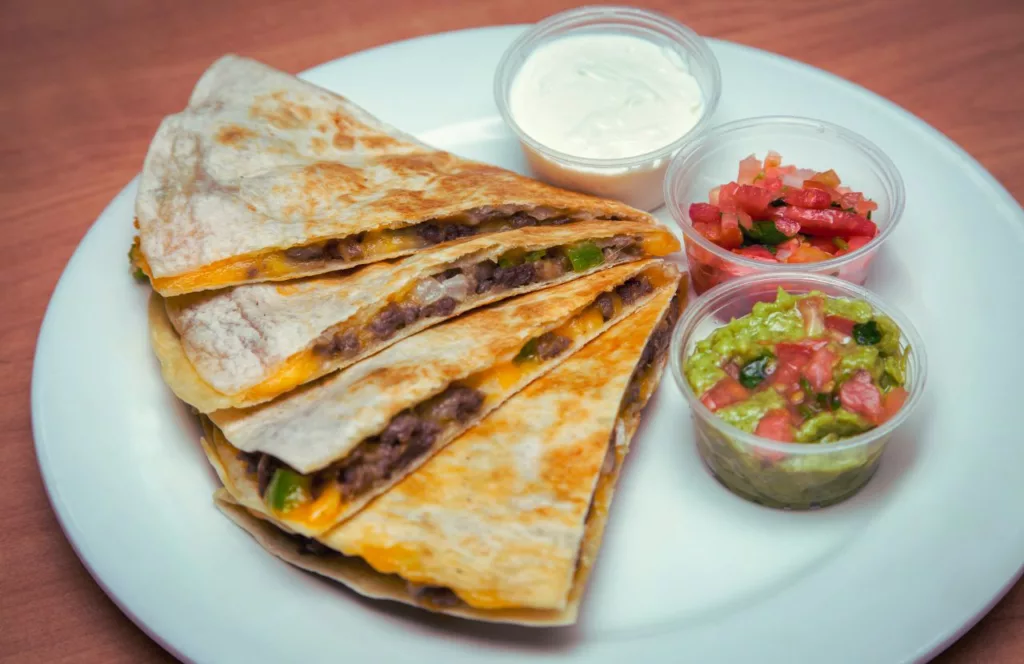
[793, 180]
[548, 269]
[797, 177]
[456, 288]
[428, 291]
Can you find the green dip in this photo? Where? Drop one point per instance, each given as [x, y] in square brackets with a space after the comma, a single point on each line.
[802, 370]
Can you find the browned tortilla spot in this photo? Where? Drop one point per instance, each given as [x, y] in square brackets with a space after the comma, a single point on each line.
[232, 135]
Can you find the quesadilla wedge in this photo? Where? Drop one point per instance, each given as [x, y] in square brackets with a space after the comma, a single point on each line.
[246, 345]
[265, 177]
[314, 457]
[504, 524]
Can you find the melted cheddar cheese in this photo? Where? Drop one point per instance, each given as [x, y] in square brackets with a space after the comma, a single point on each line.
[320, 513]
[297, 370]
[271, 265]
[274, 265]
[661, 244]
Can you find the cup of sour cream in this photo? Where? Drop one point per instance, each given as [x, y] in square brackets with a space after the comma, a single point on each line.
[601, 99]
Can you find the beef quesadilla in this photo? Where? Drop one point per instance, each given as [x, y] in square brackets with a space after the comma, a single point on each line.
[505, 523]
[314, 457]
[265, 177]
[246, 345]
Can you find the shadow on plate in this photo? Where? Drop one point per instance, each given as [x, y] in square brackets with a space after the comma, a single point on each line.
[549, 639]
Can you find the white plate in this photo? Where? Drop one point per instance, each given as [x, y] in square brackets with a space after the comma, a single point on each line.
[688, 571]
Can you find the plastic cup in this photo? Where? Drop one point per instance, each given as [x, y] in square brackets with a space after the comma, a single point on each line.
[768, 472]
[637, 180]
[713, 158]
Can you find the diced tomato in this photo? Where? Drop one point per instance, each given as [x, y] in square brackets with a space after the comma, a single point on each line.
[776, 425]
[824, 243]
[754, 201]
[859, 395]
[756, 252]
[812, 309]
[712, 232]
[750, 168]
[828, 223]
[833, 195]
[732, 236]
[732, 369]
[772, 160]
[842, 325]
[864, 206]
[816, 199]
[727, 196]
[828, 178]
[771, 183]
[787, 227]
[857, 241]
[818, 371]
[703, 212]
[725, 392]
[786, 249]
[790, 359]
[892, 401]
[794, 353]
[804, 348]
[849, 199]
[856, 201]
[807, 253]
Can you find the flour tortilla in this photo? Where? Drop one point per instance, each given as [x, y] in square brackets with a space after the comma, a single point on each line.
[262, 161]
[312, 428]
[215, 347]
[510, 516]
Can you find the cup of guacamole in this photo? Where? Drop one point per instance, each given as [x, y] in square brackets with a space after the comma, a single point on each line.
[796, 383]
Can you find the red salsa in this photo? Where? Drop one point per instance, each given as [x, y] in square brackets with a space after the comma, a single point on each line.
[783, 214]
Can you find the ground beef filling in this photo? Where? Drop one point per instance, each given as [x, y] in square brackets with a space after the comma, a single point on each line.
[551, 345]
[438, 596]
[346, 249]
[308, 546]
[408, 436]
[482, 277]
[654, 351]
[634, 289]
[349, 248]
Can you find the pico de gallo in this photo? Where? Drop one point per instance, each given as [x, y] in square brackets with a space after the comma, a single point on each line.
[783, 214]
[803, 369]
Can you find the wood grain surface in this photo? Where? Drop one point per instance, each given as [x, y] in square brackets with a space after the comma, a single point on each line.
[84, 84]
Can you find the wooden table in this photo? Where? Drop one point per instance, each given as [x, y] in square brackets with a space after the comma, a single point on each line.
[84, 84]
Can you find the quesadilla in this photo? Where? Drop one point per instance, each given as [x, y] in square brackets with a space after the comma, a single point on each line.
[313, 458]
[246, 345]
[505, 523]
[265, 177]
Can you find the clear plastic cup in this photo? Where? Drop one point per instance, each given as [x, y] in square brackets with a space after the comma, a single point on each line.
[713, 159]
[777, 474]
[638, 180]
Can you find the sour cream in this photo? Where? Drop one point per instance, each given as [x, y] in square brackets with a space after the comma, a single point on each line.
[605, 96]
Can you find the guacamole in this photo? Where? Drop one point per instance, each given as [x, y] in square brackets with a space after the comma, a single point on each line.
[807, 370]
